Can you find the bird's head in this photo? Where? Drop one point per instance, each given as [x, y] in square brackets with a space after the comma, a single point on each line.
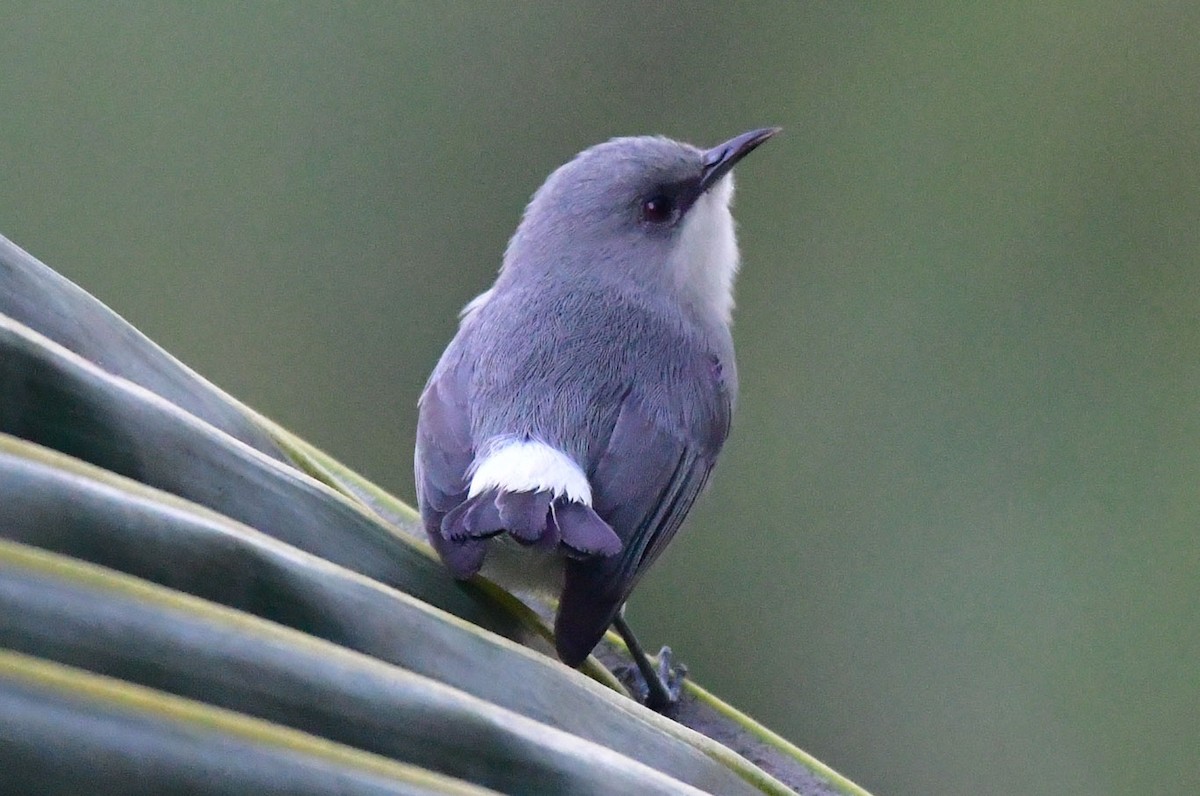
[638, 213]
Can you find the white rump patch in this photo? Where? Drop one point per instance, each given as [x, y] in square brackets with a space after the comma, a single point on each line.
[530, 466]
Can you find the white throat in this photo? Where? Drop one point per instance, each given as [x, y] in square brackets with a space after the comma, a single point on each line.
[706, 258]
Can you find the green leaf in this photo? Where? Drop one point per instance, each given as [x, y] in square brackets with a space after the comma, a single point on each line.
[80, 615]
[204, 599]
[57, 399]
[65, 506]
[37, 297]
[69, 732]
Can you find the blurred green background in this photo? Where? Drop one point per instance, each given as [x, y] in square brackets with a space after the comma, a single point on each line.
[953, 543]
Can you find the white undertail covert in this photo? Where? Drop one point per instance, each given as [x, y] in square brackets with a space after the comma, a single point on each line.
[529, 466]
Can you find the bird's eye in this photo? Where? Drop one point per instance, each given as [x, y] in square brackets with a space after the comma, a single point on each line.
[659, 209]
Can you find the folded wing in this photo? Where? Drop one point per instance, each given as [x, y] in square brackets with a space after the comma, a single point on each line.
[643, 486]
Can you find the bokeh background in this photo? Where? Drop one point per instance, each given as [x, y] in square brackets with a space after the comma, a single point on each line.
[953, 543]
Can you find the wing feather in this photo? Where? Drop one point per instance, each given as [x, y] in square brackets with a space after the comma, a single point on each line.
[644, 484]
[444, 452]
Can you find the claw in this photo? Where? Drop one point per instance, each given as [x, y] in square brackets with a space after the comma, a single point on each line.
[670, 676]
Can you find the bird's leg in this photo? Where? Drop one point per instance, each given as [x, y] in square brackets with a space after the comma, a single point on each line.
[662, 685]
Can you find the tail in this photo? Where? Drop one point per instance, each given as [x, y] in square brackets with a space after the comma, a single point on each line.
[588, 607]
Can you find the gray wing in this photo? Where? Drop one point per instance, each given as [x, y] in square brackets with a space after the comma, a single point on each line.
[643, 484]
[444, 452]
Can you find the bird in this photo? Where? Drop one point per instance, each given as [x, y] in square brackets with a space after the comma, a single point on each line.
[577, 413]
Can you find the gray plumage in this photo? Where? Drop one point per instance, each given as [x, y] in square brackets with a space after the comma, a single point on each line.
[605, 338]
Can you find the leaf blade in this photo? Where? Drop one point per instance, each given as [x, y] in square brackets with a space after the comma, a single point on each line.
[38, 297]
[80, 615]
[60, 721]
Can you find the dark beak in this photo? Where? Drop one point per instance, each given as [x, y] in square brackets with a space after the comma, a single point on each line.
[720, 159]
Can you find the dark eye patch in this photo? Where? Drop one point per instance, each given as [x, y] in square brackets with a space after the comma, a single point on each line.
[660, 209]
[665, 204]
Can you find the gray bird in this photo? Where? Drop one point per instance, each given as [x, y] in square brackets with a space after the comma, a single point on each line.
[579, 410]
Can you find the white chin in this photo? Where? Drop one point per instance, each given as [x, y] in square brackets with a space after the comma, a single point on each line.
[706, 258]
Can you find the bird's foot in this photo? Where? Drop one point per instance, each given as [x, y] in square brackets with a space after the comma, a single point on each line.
[663, 694]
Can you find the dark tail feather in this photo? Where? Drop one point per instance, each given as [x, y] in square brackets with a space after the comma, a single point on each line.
[584, 532]
[476, 518]
[524, 514]
[587, 608]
